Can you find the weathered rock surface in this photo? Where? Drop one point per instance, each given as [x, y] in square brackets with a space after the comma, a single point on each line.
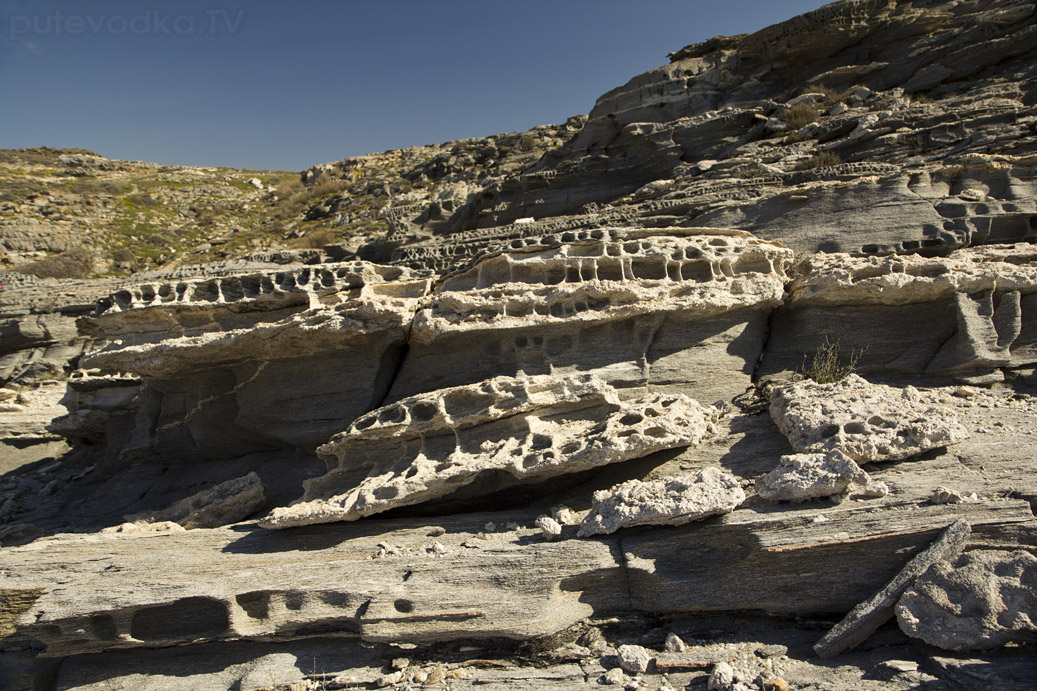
[983, 600]
[431, 445]
[241, 363]
[889, 144]
[865, 421]
[625, 303]
[666, 501]
[226, 503]
[809, 475]
[80, 593]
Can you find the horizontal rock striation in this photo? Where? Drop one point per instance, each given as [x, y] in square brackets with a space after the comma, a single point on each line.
[675, 309]
[250, 362]
[965, 315]
[567, 338]
[910, 123]
[428, 446]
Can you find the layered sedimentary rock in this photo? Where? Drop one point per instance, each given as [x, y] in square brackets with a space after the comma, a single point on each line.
[428, 446]
[967, 314]
[674, 309]
[89, 593]
[555, 365]
[910, 123]
[245, 363]
[865, 421]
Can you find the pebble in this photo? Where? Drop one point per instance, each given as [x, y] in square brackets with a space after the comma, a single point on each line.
[634, 658]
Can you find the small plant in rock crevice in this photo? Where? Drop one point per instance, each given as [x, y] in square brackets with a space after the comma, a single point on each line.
[826, 367]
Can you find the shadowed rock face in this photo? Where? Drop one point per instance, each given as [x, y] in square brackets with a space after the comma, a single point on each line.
[965, 314]
[676, 310]
[247, 363]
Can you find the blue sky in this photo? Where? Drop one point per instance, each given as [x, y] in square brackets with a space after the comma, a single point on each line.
[286, 85]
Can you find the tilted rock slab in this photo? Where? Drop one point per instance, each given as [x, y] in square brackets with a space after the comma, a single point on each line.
[676, 309]
[223, 504]
[427, 446]
[865, 421]
[866, 617]
[808, 475]
[983, 600]
[666, 501]
[968, 313]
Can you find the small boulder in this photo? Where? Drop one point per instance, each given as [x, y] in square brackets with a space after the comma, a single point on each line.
[808, 475]
[986, 599]
[666, 501]
[634, 659]
[549, 528]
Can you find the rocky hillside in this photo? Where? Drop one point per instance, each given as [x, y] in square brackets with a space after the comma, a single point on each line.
[74, 214]
[730, 385]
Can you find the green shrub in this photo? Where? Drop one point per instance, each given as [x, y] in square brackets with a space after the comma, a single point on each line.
[317, 239]
[73, 263]
[826, 366]
[800, 115]
[820, 159]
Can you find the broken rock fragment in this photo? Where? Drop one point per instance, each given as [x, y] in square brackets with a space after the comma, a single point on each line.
[427, 446]
[865, 618]
[223, 504]
[807, 475]
[865, 421]
[666, 501]
[985, 599]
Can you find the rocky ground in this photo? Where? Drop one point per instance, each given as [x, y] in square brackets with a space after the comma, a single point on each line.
[729, 385]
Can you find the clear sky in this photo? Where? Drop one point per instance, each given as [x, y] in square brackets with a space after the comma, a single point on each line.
[289, 84]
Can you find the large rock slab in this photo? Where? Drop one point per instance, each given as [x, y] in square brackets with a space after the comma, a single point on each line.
[428, 446]
[983, 600]
[865, 421]
[665, 501]
[673, 309]
[448, 579]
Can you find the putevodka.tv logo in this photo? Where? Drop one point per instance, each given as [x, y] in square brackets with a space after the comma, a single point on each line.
[151, 22]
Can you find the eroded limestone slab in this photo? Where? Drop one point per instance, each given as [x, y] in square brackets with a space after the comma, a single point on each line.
[965, 314]
[427, 446]
[666, 501]
[865, 421]
[256, 362]
[983, 600]
[620, 274]
[676, 309]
